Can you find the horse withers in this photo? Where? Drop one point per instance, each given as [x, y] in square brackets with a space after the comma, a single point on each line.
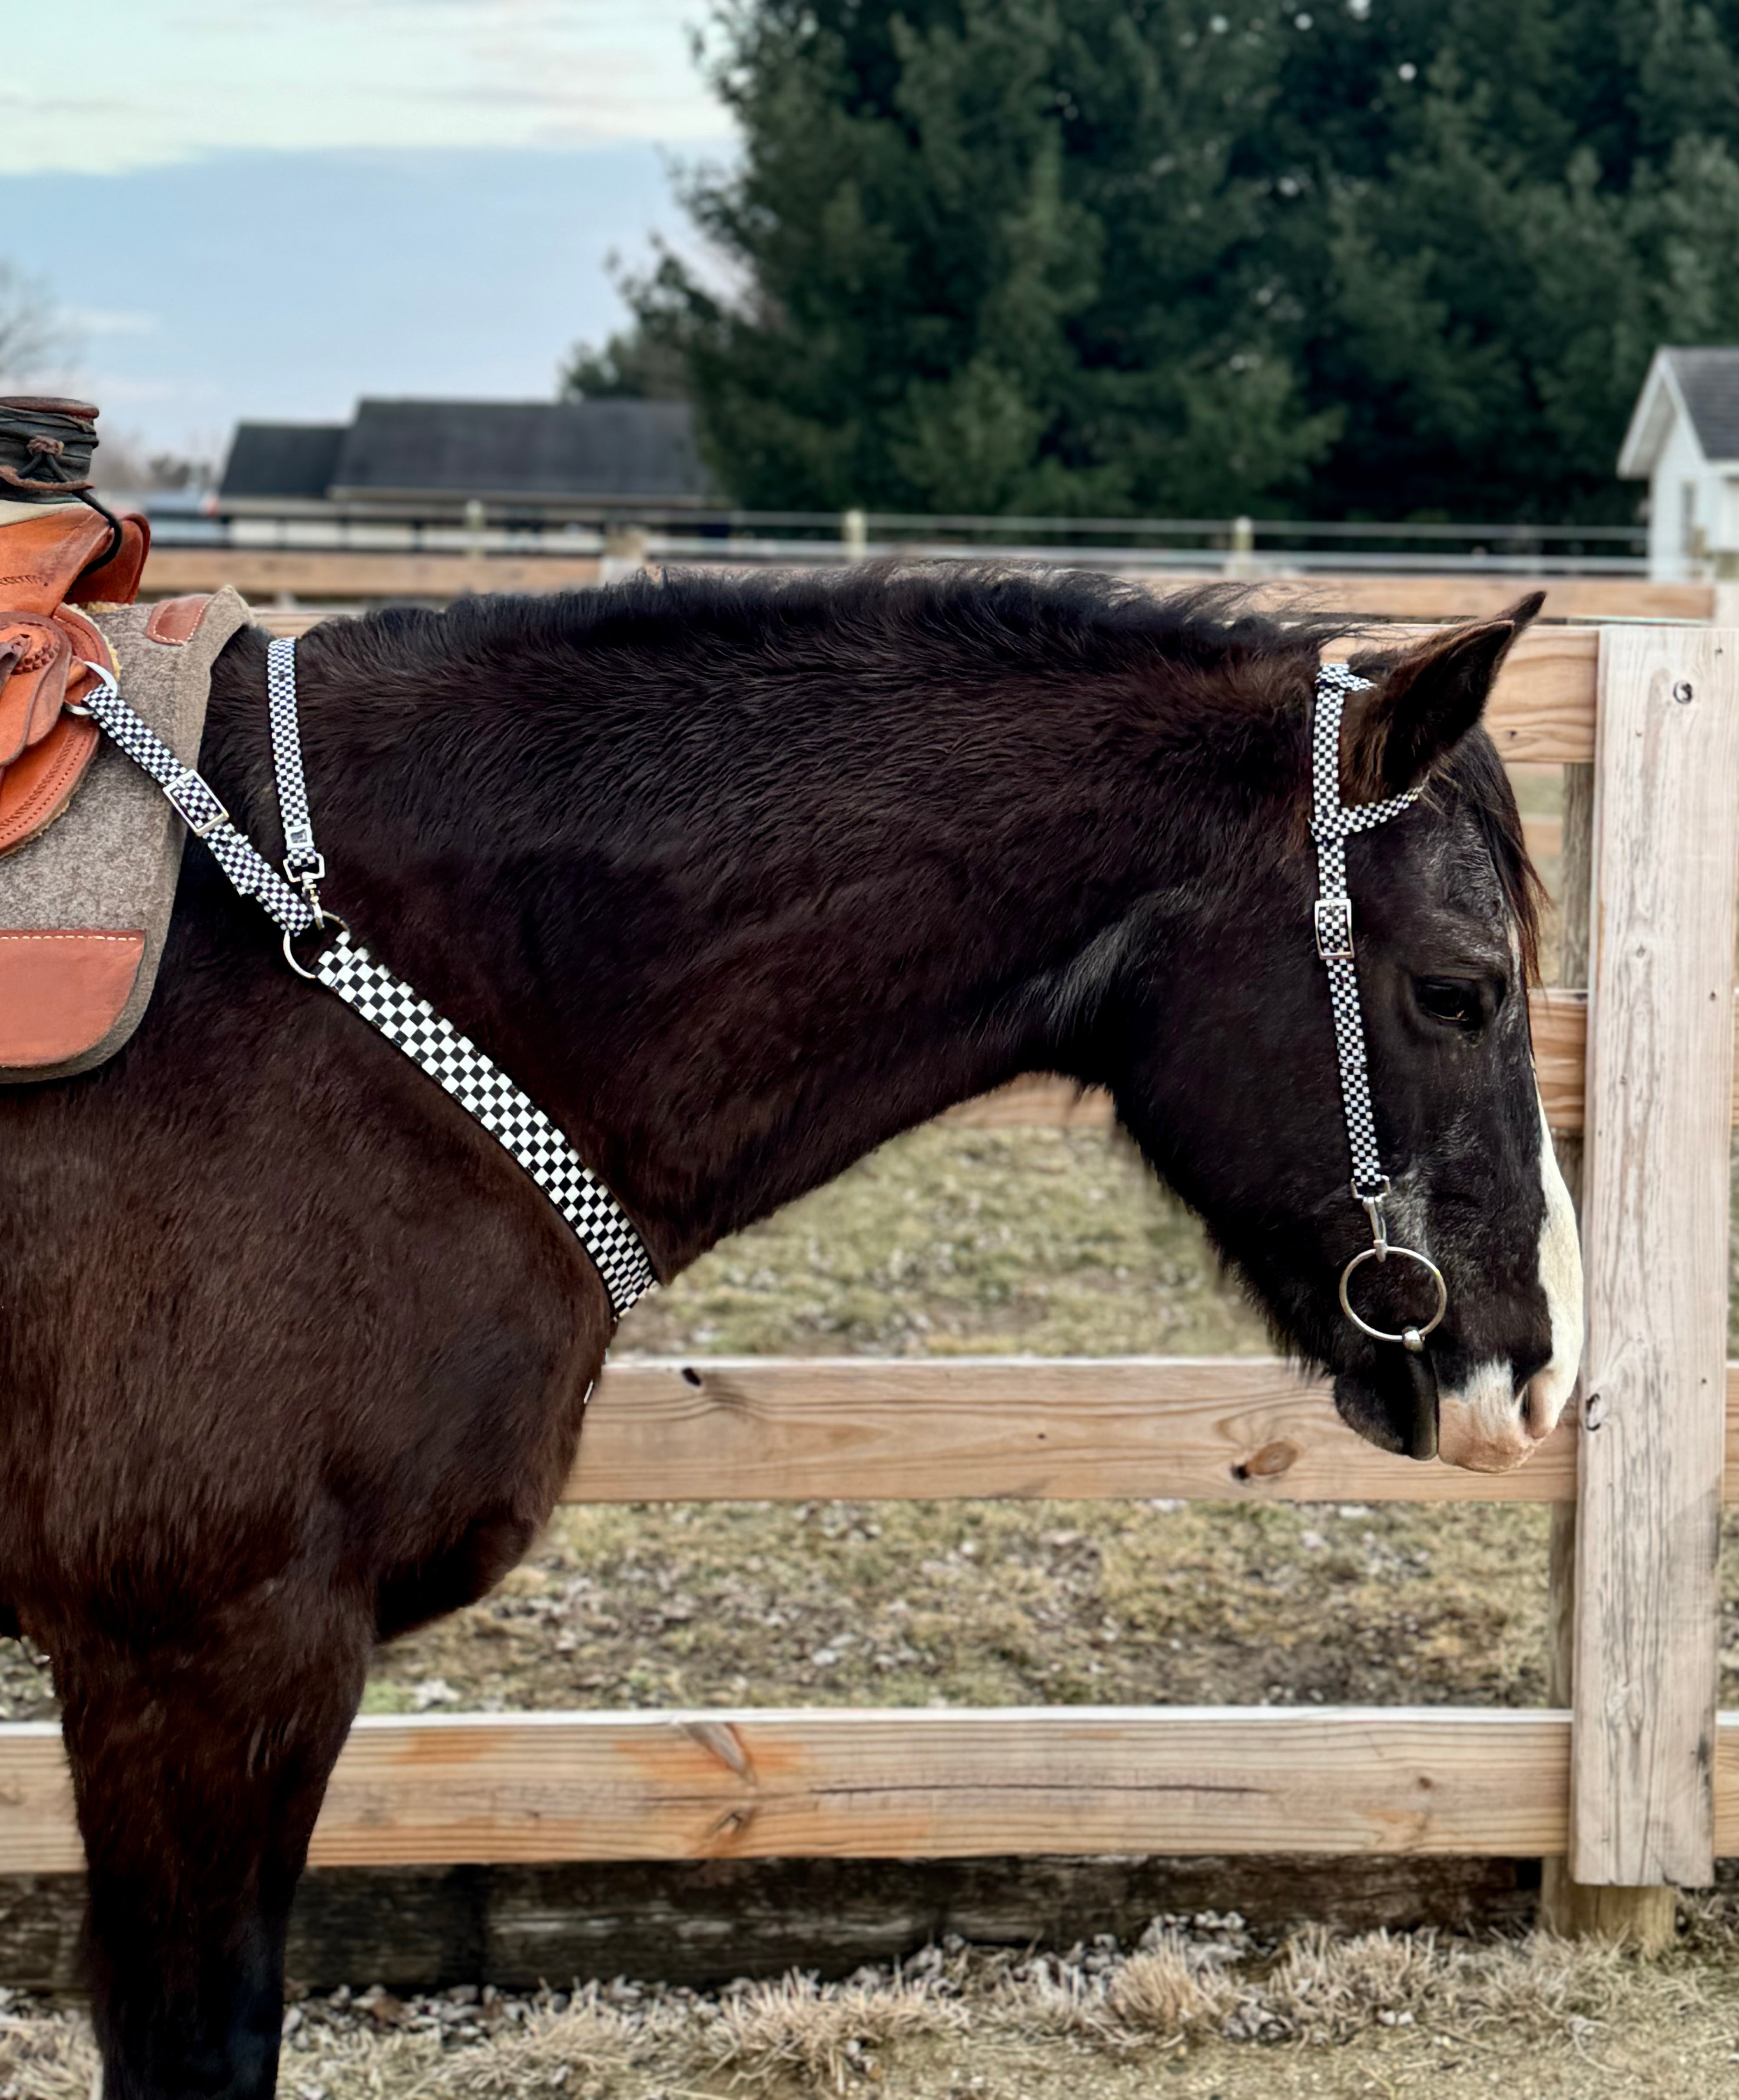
[736, 879]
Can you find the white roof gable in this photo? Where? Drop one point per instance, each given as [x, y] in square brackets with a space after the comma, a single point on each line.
[1699, 387]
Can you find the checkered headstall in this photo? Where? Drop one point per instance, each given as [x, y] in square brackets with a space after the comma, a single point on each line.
[1331, 824]
[291, 901]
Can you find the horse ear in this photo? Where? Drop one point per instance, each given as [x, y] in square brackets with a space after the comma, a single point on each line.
[1425, 703]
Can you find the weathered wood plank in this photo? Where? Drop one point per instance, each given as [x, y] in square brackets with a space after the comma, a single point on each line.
[1543, 837]
[796, 1429]
[1644, 1918]
[1660, 1093]
[708, 1921]
[900, 1782]
[1542, 707]
[867, 1429]
[339, 574]
[926, 1782]
[1427, 597]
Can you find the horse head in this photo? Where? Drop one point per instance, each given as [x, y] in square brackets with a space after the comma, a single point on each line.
[1232, 1056]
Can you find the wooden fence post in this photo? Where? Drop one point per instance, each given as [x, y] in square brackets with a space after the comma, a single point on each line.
[1642, 1917]
[1656, 1147]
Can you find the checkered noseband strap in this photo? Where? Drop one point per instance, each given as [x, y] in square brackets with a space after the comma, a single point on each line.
[1331, 825]
[387, 1004]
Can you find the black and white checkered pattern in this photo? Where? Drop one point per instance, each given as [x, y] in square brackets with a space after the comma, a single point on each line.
[480, 1086]
[197, 804]
[301, 863]
[1331, 824]
[384, 1001]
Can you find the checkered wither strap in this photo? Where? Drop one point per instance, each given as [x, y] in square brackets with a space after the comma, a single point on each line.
[301, 863]
[389, 1005]
[480, 1086]
[1331, 825]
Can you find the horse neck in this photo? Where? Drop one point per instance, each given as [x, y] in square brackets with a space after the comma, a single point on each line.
[733, 943]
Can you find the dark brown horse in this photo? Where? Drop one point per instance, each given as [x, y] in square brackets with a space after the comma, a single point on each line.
[737, 880]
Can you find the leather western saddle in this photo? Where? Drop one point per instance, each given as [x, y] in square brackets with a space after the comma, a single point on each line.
[50, 564]
[81, 885]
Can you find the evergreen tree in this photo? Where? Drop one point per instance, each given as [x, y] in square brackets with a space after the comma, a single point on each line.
[633, 365]
[1378, 257]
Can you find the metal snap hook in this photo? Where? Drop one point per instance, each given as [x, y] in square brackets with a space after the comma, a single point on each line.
[1410, 1338]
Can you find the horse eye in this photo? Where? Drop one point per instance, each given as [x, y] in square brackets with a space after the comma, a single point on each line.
[1454, 1001]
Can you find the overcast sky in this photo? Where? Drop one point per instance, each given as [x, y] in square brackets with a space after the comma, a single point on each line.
[268, 207]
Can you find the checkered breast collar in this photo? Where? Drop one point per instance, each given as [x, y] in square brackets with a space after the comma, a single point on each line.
[1331, 825]
[292, 902]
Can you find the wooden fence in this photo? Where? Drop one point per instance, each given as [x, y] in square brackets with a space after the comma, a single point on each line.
[1628, 1782]
[293, 586]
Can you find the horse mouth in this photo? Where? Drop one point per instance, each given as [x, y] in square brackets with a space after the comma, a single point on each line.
[1482, 1425]
[1393, 1405]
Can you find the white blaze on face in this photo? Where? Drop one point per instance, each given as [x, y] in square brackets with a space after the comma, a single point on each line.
[1483, 1426]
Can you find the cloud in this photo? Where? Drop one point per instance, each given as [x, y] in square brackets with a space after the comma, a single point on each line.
[286, 284]
[163, 83]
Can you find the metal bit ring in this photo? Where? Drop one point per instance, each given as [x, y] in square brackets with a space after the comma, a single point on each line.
[1411, 1338]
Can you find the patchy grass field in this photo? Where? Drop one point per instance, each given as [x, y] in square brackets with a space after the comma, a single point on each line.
[1041, 1241]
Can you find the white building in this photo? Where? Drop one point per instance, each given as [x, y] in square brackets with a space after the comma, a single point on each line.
[1683, 441]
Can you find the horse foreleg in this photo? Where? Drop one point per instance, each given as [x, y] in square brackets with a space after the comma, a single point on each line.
[198, 1766]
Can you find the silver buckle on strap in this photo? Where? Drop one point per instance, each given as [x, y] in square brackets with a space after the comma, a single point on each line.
[198, 808]
[1334, 916]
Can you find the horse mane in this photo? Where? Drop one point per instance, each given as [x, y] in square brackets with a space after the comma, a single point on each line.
[995, 622]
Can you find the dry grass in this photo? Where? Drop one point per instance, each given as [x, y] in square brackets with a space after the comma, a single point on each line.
[1172, 1989]
[1223, 2013]
[820, 2035]
[549, 2052]
[949, 1241]
[47, 2054]
[1166, 1991]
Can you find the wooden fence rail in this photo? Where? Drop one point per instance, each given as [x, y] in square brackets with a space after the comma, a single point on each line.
[866, 1429]
[338, 577]
[483, 1789]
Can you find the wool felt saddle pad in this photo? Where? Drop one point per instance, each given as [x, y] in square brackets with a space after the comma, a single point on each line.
[85, 905]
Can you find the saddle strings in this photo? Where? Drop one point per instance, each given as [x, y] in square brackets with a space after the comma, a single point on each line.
[385, 1001]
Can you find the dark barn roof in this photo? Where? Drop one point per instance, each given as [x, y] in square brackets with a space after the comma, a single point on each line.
[1709, 381]
[533, 453]
[536, 451]
[282, 459]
